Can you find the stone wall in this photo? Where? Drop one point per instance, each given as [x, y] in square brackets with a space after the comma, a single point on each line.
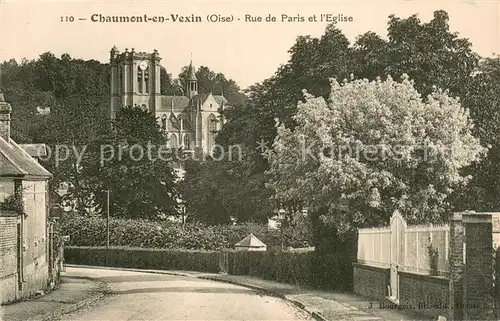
[425, 294]
[371, 281]
[8, 256]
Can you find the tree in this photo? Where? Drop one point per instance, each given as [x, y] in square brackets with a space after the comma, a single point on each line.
[412, 47]
[136, 167]
[482, 98]
[215, 83]
[224, 189]
[428, 52]
[63, 103]
[373, 148]
[167, 85]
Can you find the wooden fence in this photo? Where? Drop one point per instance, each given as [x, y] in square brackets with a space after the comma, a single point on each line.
[374, 246]
[410, 247]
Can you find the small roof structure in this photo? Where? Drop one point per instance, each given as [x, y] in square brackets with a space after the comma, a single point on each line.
[35, 150]
[250, 242]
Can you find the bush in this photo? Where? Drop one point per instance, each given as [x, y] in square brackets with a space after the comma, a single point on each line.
[140, 258]
[91, 231]
[308, 269]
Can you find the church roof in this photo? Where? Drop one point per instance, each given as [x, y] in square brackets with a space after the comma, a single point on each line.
[220, 99]
[200, 99]
[250, 241]
[179, 102]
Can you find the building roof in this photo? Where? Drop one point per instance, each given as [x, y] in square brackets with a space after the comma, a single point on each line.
[200, 99]
[220, 99]
[15, 162]
[250, 241]
[35, 150]
[179, 103]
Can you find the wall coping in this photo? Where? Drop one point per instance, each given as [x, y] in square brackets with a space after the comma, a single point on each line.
[477, 217]
[371, 267]
[9, 213]
[440, 279]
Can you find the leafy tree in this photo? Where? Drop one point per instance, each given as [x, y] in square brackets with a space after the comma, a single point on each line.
[482, 98]
[224, 189]
[136, 167]
[428, 52]
[374, 147]
[63, 103]
[215, 83]
[168, 86]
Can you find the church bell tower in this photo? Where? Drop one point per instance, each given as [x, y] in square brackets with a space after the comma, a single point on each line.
[192, 83]
[135, 80]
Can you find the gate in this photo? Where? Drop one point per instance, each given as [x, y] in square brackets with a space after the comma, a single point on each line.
[398, 227]
[400, 247]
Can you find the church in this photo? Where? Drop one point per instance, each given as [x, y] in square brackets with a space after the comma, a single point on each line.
[190, 120]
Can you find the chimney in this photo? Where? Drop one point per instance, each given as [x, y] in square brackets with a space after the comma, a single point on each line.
[5, 111]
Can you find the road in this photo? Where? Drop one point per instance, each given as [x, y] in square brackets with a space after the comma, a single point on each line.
[145, 296]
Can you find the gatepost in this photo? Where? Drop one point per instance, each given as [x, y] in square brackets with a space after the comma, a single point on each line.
[478, 267]
[456, 259]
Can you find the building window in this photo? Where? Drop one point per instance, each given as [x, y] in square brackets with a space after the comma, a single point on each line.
[186, 142]
[164, 122]
[146, 81]
[139, 80]
[173, 143]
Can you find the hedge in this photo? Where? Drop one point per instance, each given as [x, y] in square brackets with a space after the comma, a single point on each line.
[288, 267]
[91, 231]
[141, 258]
[306, 269]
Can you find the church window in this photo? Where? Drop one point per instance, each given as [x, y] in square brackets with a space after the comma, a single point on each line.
[186, 141]
[146, 81]
[139, 80]
[173, 141]
[164, 122]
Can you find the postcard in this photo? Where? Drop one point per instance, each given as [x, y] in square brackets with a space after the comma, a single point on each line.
[249, 160]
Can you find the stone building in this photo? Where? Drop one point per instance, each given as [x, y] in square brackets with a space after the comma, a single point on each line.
[25, 243]
[190, 120]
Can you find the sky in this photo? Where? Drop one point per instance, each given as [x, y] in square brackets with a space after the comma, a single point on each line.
[245, 51]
